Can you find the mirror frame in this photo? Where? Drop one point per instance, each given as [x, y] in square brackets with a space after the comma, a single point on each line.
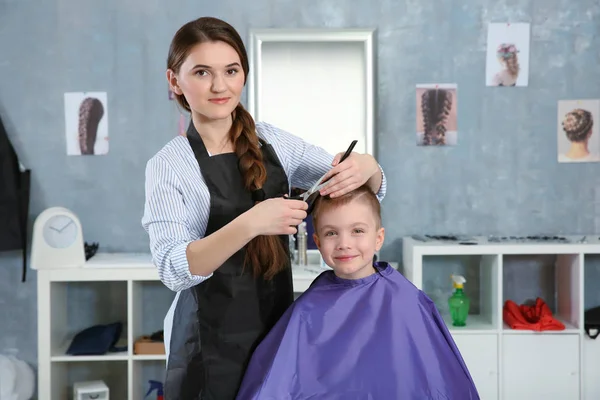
[366, 37]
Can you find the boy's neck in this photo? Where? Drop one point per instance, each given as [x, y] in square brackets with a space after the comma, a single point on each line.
[364, 272]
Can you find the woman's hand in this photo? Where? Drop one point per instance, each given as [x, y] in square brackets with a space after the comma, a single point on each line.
[276, 216]
[354, 172]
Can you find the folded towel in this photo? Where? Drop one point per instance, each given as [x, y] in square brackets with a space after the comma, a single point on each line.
[537, 317]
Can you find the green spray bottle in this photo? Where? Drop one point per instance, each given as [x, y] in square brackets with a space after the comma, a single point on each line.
[459, 303]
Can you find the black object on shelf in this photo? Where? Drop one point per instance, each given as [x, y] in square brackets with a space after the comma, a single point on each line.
[530, 238]
[592, 322]
[445, 238]
[97, 340]
[90, 250]
[158, 336]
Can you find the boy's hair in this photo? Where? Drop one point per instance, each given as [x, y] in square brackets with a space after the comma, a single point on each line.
[362, 193]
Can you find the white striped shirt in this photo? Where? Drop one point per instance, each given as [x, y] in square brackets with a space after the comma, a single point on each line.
[177, 202]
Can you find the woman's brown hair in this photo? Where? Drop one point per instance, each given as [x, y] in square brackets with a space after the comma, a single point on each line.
[266, 254]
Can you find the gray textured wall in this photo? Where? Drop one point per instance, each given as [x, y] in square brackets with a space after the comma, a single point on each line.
[503, 177]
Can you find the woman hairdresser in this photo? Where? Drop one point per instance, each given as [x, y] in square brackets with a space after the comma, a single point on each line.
[216, 217]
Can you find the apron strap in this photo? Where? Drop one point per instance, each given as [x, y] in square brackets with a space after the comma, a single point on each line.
[196, 142]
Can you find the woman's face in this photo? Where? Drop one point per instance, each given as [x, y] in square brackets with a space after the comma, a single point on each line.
[211, 79]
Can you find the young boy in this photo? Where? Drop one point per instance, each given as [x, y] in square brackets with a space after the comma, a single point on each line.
[361, 331]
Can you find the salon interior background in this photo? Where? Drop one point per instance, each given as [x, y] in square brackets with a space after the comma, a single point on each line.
[502, 178]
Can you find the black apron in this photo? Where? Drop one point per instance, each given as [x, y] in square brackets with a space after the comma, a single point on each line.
[14, 200]
[218, 323]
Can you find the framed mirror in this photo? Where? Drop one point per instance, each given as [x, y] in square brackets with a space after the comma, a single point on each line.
[315, 83]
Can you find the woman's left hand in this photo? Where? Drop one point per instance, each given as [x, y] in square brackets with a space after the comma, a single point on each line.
[350, 174]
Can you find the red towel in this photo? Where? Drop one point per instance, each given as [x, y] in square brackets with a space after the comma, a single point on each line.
[537, 317]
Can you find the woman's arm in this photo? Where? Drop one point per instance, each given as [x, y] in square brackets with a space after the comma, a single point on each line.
[305, 163]
[275, 216]
[184, 261]
[356, 170]
[207, 254]
[165, 221]
[377, 182]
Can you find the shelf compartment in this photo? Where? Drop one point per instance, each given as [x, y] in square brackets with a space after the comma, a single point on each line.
[75, 306]
[592, 277]
[60, 354]
[555, 278]
[540, 367]
[150, 301]
[150, 357]
[480, 353]
[112, 373]
[143, 371]
[481, 273]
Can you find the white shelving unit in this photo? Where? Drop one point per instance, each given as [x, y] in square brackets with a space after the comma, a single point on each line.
[113, 287]
[505, 363]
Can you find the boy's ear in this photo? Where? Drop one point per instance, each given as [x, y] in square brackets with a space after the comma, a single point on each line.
[316, 239]
[379, 239]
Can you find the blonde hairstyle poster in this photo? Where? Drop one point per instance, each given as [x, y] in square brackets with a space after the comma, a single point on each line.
[507, 57]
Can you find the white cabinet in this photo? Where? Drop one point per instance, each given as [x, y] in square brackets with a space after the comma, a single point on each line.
[541, 367]
[480, 353]
[111, 287]
[507, 363]
[591, 368]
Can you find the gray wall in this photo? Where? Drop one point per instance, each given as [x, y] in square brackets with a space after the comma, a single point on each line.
[503, 177]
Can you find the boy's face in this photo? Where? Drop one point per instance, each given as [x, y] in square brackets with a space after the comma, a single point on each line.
[348, 237]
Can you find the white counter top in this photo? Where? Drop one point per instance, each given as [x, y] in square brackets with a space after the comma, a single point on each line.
[137, 266]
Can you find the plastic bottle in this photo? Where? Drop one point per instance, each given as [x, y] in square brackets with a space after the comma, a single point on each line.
[302, 244]
[158, 386]
[459, 303]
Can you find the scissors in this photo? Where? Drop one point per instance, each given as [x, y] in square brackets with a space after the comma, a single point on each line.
[311, 194]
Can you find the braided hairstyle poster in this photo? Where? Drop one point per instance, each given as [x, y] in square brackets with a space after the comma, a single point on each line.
[86, 123]
[436, 114]
[578, 129]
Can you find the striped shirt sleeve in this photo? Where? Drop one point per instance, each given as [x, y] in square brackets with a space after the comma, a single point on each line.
[165, 220]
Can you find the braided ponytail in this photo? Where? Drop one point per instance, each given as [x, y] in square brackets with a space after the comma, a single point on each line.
[266, 254]
[435, 106]
[444, 112]
[425, 109]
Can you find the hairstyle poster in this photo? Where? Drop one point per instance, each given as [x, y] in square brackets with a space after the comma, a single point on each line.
[507, 59]
[86, 123]
[578, 131]
[436, 114]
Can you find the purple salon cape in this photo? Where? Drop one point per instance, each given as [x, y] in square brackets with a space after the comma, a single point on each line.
[376, 338]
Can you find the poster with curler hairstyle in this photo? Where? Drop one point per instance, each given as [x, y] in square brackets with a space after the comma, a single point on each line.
[436, 114]
[507, 57]
[578, 128]
[86, 123]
